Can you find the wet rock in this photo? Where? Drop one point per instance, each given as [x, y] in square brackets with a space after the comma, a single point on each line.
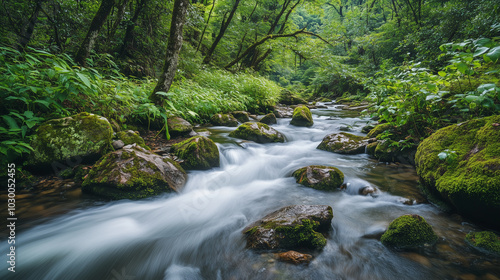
[224, 120]
[241, 116]
[131, 137]
[269, 119]
[418, 259]
[283, 112]
[291, 227]
[294, 257]
[461, 163]
[319, 177]
[288, 98]
[84, 138]
[198, 152]
[369, 190]
[345, 128]
[302, 117]
[324, 100]
[179, 127]
[257, 132]
[367, 128]
[344, 143]
[378, 130]
[133, 172]
[408, 231]
[485, 241]
[118, 144]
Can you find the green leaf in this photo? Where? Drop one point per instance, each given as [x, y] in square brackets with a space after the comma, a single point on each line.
[430, 97]
[443, 155]
[494, 54]
[462, 67]
[471, 98]
[480, 51]
[442, 73]
[84, 79]
[10, 122]
[28, 114]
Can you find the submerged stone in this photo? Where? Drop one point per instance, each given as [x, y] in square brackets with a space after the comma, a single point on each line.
[344, 143]
[319, 177]
[257, 132]
[294, 257]
[291, 227]
[486, 241]
[134, 172]
[461, 163]
[82, 138]
[302, 117]
[408, 231]
[198, 152]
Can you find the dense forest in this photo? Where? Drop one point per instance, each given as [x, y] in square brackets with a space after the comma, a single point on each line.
[421, 76]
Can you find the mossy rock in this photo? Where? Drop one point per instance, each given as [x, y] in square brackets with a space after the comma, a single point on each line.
[469, 177]
[379, 129]
[370, 148]
[178, 127]
[83, 137]
[319, 177]
[224, 120]
[343, 143]
[288, 98]
[241, 116]
[198, 153]
[302, 116]
[131, 137]
[367, 128]
[408, 231]
[257, 132]
[485, 241]
[291, 227]
[269, 119]
[134, 172]
[324, 100]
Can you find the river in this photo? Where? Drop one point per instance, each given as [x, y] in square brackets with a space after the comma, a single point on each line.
[196, 234]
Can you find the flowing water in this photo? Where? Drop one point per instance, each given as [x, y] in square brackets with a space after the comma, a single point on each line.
[196, 234]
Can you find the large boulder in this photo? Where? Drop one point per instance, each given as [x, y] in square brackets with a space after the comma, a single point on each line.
[378, 129]
[283, 111]
[178, 126]
[319, 177]
[134, 172]
[389, 151]
[288, 98]
[129, 137]
[344, 143]
[302, 117]
[241, 116]
[83, 137]
[461, 163]
[269, 119]
[198, 152]
[257, 132]
[408, 231]
[291, 227]
[486, 241]
[224, 120]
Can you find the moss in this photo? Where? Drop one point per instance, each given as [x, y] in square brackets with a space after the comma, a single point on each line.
[269, 119]
[84, 136]
[224, 120]
[257, 132]
[470, 181]
[385, 152]
[198, 152]
[484, 240]
[289, 98]
[344, 143]
[129, 137]
[378, 130]
[178, 126]
[301, 235]
[408, 231]
[324, 99]
[302, 117]
[370, 148]
[321, 181]
[241, 116]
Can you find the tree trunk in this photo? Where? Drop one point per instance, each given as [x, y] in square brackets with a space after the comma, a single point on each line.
[98, 21]
[222, 30]
[129, 32]
[25, 37]
[121, 12]
[173, 48]
[206, 25]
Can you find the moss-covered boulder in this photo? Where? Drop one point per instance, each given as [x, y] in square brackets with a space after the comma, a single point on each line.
[461, 163]
[269, 119]
[367, 128]
[344, 143]
[291, 227]
[302, 117]
[370, 148]
[288, 98]
[224, 120]
[486, 241]
[129, 137]
[84, 138]
[134, 172]
[257, 132]
[319, 177]
[408, 231]
[378, 129]
[197, 152]
[178, 127]
[241, 116]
